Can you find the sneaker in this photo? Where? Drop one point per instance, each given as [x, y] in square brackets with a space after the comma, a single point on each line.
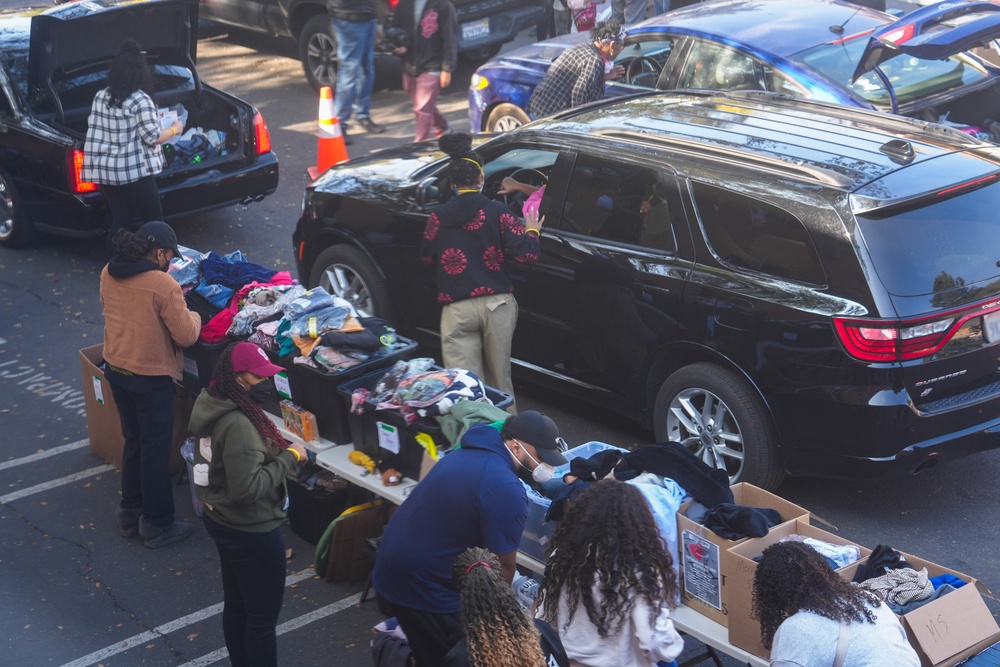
[439, 131]
[371, 127]
[155, 537]
[345, 135]
[128, 521]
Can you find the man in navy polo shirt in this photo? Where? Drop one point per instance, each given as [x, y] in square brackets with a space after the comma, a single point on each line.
[471, 498]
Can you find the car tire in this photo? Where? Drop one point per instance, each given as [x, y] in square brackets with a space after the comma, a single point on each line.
[15, 230]
[505, 117]
[689, 406]
[346, 272]
[318, 52]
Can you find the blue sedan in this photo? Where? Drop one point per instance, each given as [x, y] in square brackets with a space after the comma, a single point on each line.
[828, 50]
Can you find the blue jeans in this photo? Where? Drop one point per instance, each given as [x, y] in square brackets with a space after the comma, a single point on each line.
[146, 411]
[355, 68]
[660, 6]
[253, 585]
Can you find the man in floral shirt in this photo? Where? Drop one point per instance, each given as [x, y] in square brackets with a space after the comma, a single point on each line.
[472, 239]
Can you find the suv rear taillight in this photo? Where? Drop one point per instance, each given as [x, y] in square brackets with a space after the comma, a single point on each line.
[261, 134]
[75, 169]
[903, 340]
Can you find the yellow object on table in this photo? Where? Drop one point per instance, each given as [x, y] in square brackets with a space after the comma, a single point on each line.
[363, 460]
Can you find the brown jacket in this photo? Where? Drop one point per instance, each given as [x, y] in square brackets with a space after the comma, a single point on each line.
[146, 323]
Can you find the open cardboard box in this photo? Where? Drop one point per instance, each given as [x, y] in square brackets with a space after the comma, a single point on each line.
[744, 630]
[955, 626]
[703, 554]
[104, 430]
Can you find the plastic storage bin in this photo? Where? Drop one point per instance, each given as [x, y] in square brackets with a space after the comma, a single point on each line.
[537, 533]
[199, 363]
[317, 391]
[365, 428]
[311, 509]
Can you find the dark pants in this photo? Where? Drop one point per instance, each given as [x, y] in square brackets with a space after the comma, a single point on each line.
[146, 411]
[545, 26]
[132, 205]
[431, 636]
[253, 585]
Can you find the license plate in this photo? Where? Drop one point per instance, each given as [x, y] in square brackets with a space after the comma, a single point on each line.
[476, 30]
[991, 327]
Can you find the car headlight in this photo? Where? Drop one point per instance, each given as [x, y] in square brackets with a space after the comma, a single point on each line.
[479, 82]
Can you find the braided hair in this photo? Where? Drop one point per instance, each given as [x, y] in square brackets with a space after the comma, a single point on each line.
[793, 577]
[225, 387]
[466, 165]
[498, 633]
[129, 73]
[131, 247]
[607, 538]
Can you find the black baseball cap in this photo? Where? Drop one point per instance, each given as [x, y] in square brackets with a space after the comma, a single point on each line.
[161, 234]
[536, 429]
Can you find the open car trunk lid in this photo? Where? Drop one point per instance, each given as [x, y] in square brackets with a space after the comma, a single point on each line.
[935, 32]
[166, 29]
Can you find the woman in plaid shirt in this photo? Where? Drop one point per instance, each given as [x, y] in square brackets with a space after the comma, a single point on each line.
[122, 151]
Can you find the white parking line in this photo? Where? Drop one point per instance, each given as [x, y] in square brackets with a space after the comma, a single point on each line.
[184, 621]
[38, 456]
[287, 626]
[55, 483]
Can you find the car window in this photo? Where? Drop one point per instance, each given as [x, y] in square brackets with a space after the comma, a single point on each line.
[912, 78]
[620, 202]
[778, 82]
[644, 60]
[755, 235]
[718, 67]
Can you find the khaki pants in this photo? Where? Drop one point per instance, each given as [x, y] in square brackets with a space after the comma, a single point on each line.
[476, 335]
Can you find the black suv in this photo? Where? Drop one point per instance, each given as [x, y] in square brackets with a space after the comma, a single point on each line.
[783, 286]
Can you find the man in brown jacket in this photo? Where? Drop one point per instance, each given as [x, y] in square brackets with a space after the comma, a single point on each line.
[146, 323]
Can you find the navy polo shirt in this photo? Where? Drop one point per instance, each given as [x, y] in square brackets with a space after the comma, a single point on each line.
[470, 498]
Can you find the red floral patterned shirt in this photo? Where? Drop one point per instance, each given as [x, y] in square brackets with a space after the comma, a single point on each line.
[471, 238]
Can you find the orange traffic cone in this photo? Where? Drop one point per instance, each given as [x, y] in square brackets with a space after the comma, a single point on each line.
[332, 149]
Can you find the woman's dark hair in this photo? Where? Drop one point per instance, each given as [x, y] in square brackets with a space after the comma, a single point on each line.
[129, 73]
[498, 633]
[224, 386]
[606, 31]
[466, 165]
[131, 247]
[607, 538]
[793, 577]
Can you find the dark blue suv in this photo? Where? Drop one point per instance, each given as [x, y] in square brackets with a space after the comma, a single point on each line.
[781, 285]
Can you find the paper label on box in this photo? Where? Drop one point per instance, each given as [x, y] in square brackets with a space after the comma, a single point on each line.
[167, 117]
[281, 384]
[98, 392]
[388, 437]
[702, 578]
[191, 367]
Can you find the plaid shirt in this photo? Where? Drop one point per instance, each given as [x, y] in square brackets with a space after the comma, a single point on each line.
[576, 77]
[121, 143]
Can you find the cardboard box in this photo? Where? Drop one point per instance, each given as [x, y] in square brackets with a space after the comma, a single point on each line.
[744, 630]
[953, 627]
[104, 429]
[703, 553]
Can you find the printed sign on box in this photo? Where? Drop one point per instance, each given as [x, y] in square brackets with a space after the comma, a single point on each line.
[702, 573]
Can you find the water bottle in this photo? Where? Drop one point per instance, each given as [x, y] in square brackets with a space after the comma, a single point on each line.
[526, 590]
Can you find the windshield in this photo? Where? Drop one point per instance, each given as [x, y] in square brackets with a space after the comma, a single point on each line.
[952, 243]
[911, 78]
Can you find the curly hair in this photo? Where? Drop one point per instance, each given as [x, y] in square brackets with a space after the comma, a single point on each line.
[129, 73]
[793, 577]
[224, 386]
[131, 247]
[607, 537]
[466, 166]
[607, 31]
[498, 632]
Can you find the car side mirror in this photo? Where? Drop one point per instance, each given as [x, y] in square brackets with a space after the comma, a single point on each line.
[429, 192]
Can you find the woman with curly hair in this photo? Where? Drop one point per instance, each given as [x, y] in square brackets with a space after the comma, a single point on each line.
[498, 633]
[122, 149]
[609, 584]
[806, 609]
[240, 467]
[472, 240]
